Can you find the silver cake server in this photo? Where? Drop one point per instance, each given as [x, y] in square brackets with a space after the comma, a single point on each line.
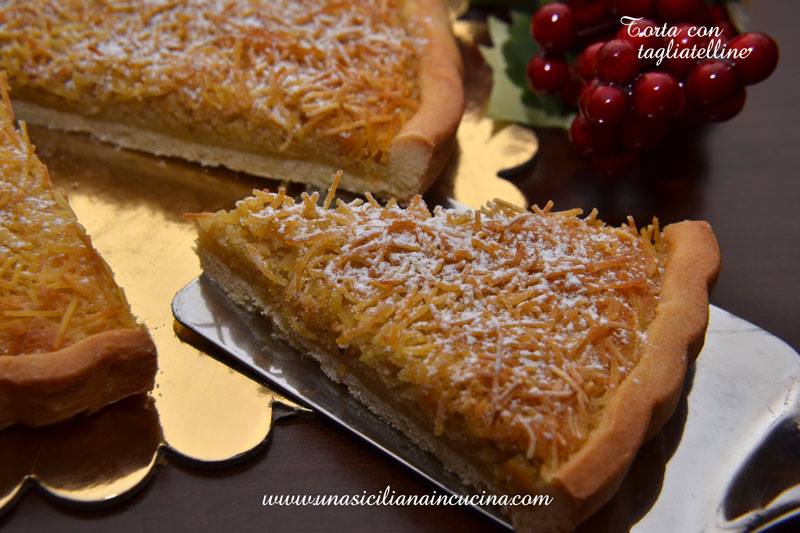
[729, 460]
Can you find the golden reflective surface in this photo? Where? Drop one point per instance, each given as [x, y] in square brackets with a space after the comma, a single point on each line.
[89, 459]
[484, 145]
[132, 206]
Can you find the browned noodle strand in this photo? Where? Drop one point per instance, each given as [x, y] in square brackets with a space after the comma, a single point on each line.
[339, 70]
[54, 288]
[516, 326]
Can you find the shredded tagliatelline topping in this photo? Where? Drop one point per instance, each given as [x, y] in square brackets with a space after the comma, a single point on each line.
[509, 325]
[54, 288]
[339, 71]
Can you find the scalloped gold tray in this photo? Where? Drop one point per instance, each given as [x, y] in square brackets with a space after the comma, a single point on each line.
[201, 410]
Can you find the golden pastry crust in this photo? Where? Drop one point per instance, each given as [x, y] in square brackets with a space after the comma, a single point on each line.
[68, 341]
[42, 388]
[544, 343]
[289, 90]
[422, 148]
[648, 398]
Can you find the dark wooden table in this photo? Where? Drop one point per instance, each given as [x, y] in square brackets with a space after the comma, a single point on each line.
[742, 176]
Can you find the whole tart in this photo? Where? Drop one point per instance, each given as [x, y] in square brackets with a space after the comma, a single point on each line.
[68, 341]
[287, 89]
[531, 351]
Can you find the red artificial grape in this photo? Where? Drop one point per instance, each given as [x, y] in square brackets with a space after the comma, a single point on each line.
[762, 58]
[615, 163]
[728, 30]
[583, 98]
[639, 133]
[716, 16]
[703, 17]
[685, 108]
[719, 14]
[590, 13]
[587, 61]
[679, 10]
[710, 82]
[656, 95]
[636, 8]
[727, 108]
[604, 104]
[547, 74]
[635, 34]
[589, 138]
[680, 67]
[553, 26]
[617, 62]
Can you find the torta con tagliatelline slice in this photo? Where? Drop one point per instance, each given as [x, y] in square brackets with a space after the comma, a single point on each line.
[68, 341]
[286, 89]
[530, 350]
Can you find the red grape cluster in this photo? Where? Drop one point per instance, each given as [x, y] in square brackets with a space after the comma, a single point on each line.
[627, 100]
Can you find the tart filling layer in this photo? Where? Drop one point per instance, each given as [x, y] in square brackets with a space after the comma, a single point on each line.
[512, 327]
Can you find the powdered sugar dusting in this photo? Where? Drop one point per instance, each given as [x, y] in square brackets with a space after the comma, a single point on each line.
[54, 288]
[333, 71]
[518, 324]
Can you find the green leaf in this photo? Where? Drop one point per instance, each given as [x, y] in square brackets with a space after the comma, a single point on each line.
[519, 48]
[511, 99]
[738, 14]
